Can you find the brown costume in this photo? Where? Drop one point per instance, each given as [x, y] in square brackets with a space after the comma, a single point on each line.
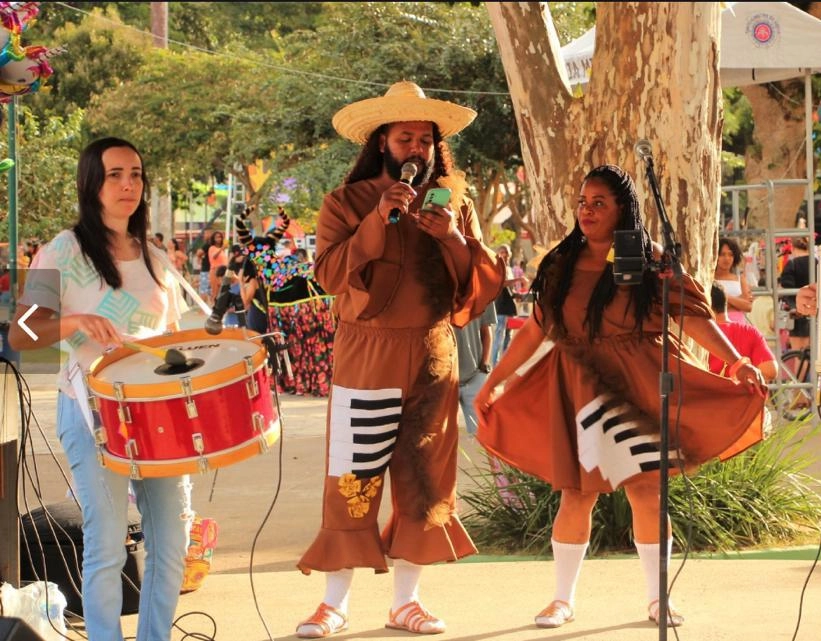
[586, 416]
[393, 404]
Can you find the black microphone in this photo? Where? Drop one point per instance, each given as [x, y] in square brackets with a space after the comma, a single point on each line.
[644, 150]
[629, 261]
[408, 174]
[213, 324]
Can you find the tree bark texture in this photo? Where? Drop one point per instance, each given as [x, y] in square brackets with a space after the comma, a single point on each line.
[654, 75]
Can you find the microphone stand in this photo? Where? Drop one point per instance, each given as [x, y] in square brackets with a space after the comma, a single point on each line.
[670, 267]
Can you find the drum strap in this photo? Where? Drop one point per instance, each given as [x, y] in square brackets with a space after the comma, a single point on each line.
[78, 385]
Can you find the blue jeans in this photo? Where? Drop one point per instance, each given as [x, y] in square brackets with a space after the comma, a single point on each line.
[501, 338]
[165, 508]
[467, 393]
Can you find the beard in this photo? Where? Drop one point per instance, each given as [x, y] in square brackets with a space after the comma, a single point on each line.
[394, 167]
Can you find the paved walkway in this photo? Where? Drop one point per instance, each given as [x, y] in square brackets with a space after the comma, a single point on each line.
[255, 593]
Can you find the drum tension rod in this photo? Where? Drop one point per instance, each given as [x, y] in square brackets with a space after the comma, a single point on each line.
[190, 403]
[199, 448]
[123, 413]
[131, 451]
[251, 385]
[259, 426]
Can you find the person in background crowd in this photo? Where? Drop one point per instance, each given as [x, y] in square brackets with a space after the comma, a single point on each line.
[505, 307]
[739, 297]
[796, 274]
[177, 256]
[584, 417]
[473, 346]
[745, 337]
[399, 289]
[159, 240]
[114, 286]
[216, 258]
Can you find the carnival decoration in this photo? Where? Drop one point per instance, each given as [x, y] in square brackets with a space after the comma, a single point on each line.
[23, 70]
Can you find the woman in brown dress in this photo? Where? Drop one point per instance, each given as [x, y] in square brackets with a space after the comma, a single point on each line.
[585, 417]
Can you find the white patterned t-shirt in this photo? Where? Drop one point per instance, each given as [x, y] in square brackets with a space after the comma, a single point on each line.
[138, 309]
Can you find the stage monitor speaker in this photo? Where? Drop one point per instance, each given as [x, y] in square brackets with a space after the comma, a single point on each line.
[13, 629]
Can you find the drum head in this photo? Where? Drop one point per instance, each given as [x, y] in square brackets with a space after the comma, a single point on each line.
[211, 361]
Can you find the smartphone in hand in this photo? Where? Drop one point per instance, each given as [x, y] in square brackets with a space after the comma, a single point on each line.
[436, 196]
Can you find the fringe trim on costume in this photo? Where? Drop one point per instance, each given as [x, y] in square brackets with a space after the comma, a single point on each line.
[431, 270]
[428, 398]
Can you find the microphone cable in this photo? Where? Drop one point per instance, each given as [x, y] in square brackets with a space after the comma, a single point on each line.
[804, 592]
[264, 522]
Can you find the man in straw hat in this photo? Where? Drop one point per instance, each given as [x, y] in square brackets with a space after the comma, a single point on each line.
[398, 286]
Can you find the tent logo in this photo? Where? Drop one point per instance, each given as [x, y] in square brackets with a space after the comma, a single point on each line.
[764, 29]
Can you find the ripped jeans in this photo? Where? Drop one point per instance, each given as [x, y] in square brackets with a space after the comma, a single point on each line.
[165, 509]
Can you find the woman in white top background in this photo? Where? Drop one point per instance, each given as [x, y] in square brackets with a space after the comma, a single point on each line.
[739, 297]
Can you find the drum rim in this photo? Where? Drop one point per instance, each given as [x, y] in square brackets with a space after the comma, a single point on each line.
[173, 388]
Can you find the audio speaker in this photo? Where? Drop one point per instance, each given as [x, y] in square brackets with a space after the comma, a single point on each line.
[59, 528]
[13, 629]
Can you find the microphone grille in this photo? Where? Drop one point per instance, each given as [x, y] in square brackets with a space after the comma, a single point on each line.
[644, 148]
[409, 168]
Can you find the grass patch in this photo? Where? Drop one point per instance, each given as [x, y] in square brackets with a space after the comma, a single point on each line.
[760, 498]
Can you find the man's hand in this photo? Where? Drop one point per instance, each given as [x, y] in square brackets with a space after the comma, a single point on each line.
[439, 222]
[806, 300]
[397, 196]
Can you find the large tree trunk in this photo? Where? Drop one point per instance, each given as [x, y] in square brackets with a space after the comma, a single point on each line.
[655, 76]
[779, 149]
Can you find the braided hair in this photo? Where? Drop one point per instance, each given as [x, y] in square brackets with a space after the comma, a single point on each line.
[555, 274]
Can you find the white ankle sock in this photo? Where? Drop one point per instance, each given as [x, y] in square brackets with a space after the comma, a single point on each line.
[406, 577]
[338, 589]
[568, 559]
[649, 557]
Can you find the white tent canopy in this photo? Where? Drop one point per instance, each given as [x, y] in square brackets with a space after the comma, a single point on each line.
[760, 42]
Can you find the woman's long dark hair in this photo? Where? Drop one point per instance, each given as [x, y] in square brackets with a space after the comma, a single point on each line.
[555, 273]
[90, 229]
[370, 160]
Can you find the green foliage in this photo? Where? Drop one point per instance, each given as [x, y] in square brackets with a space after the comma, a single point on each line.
[572, 19]
[46, 166]
[226, 98]
[759, 497]
[100, 53]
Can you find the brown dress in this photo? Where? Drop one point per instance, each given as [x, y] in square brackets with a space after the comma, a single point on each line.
[394, 399]
[586, 416]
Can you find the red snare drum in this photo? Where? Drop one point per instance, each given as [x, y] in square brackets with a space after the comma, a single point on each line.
[167, 420]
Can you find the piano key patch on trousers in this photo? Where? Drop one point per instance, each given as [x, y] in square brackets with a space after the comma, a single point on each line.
[609, 439]
[363, 428]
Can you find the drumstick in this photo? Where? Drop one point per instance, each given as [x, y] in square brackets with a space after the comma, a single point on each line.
[171, 356]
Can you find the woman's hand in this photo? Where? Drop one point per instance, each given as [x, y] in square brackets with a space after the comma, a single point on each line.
[485, 398]
[97, 328]
[806, 300]
[752, 378]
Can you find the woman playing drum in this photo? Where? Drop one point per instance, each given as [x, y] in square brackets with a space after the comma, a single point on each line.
[92, 286]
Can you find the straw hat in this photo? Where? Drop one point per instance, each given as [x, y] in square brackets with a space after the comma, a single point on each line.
[403, 102]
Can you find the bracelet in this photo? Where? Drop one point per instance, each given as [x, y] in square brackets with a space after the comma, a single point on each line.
[733, 369]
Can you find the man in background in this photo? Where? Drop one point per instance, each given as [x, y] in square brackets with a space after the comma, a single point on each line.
[747, 339]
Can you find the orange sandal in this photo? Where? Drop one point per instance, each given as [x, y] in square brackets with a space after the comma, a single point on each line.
[555, 615]
[674, 618]
[322, 623]
[414, 618]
